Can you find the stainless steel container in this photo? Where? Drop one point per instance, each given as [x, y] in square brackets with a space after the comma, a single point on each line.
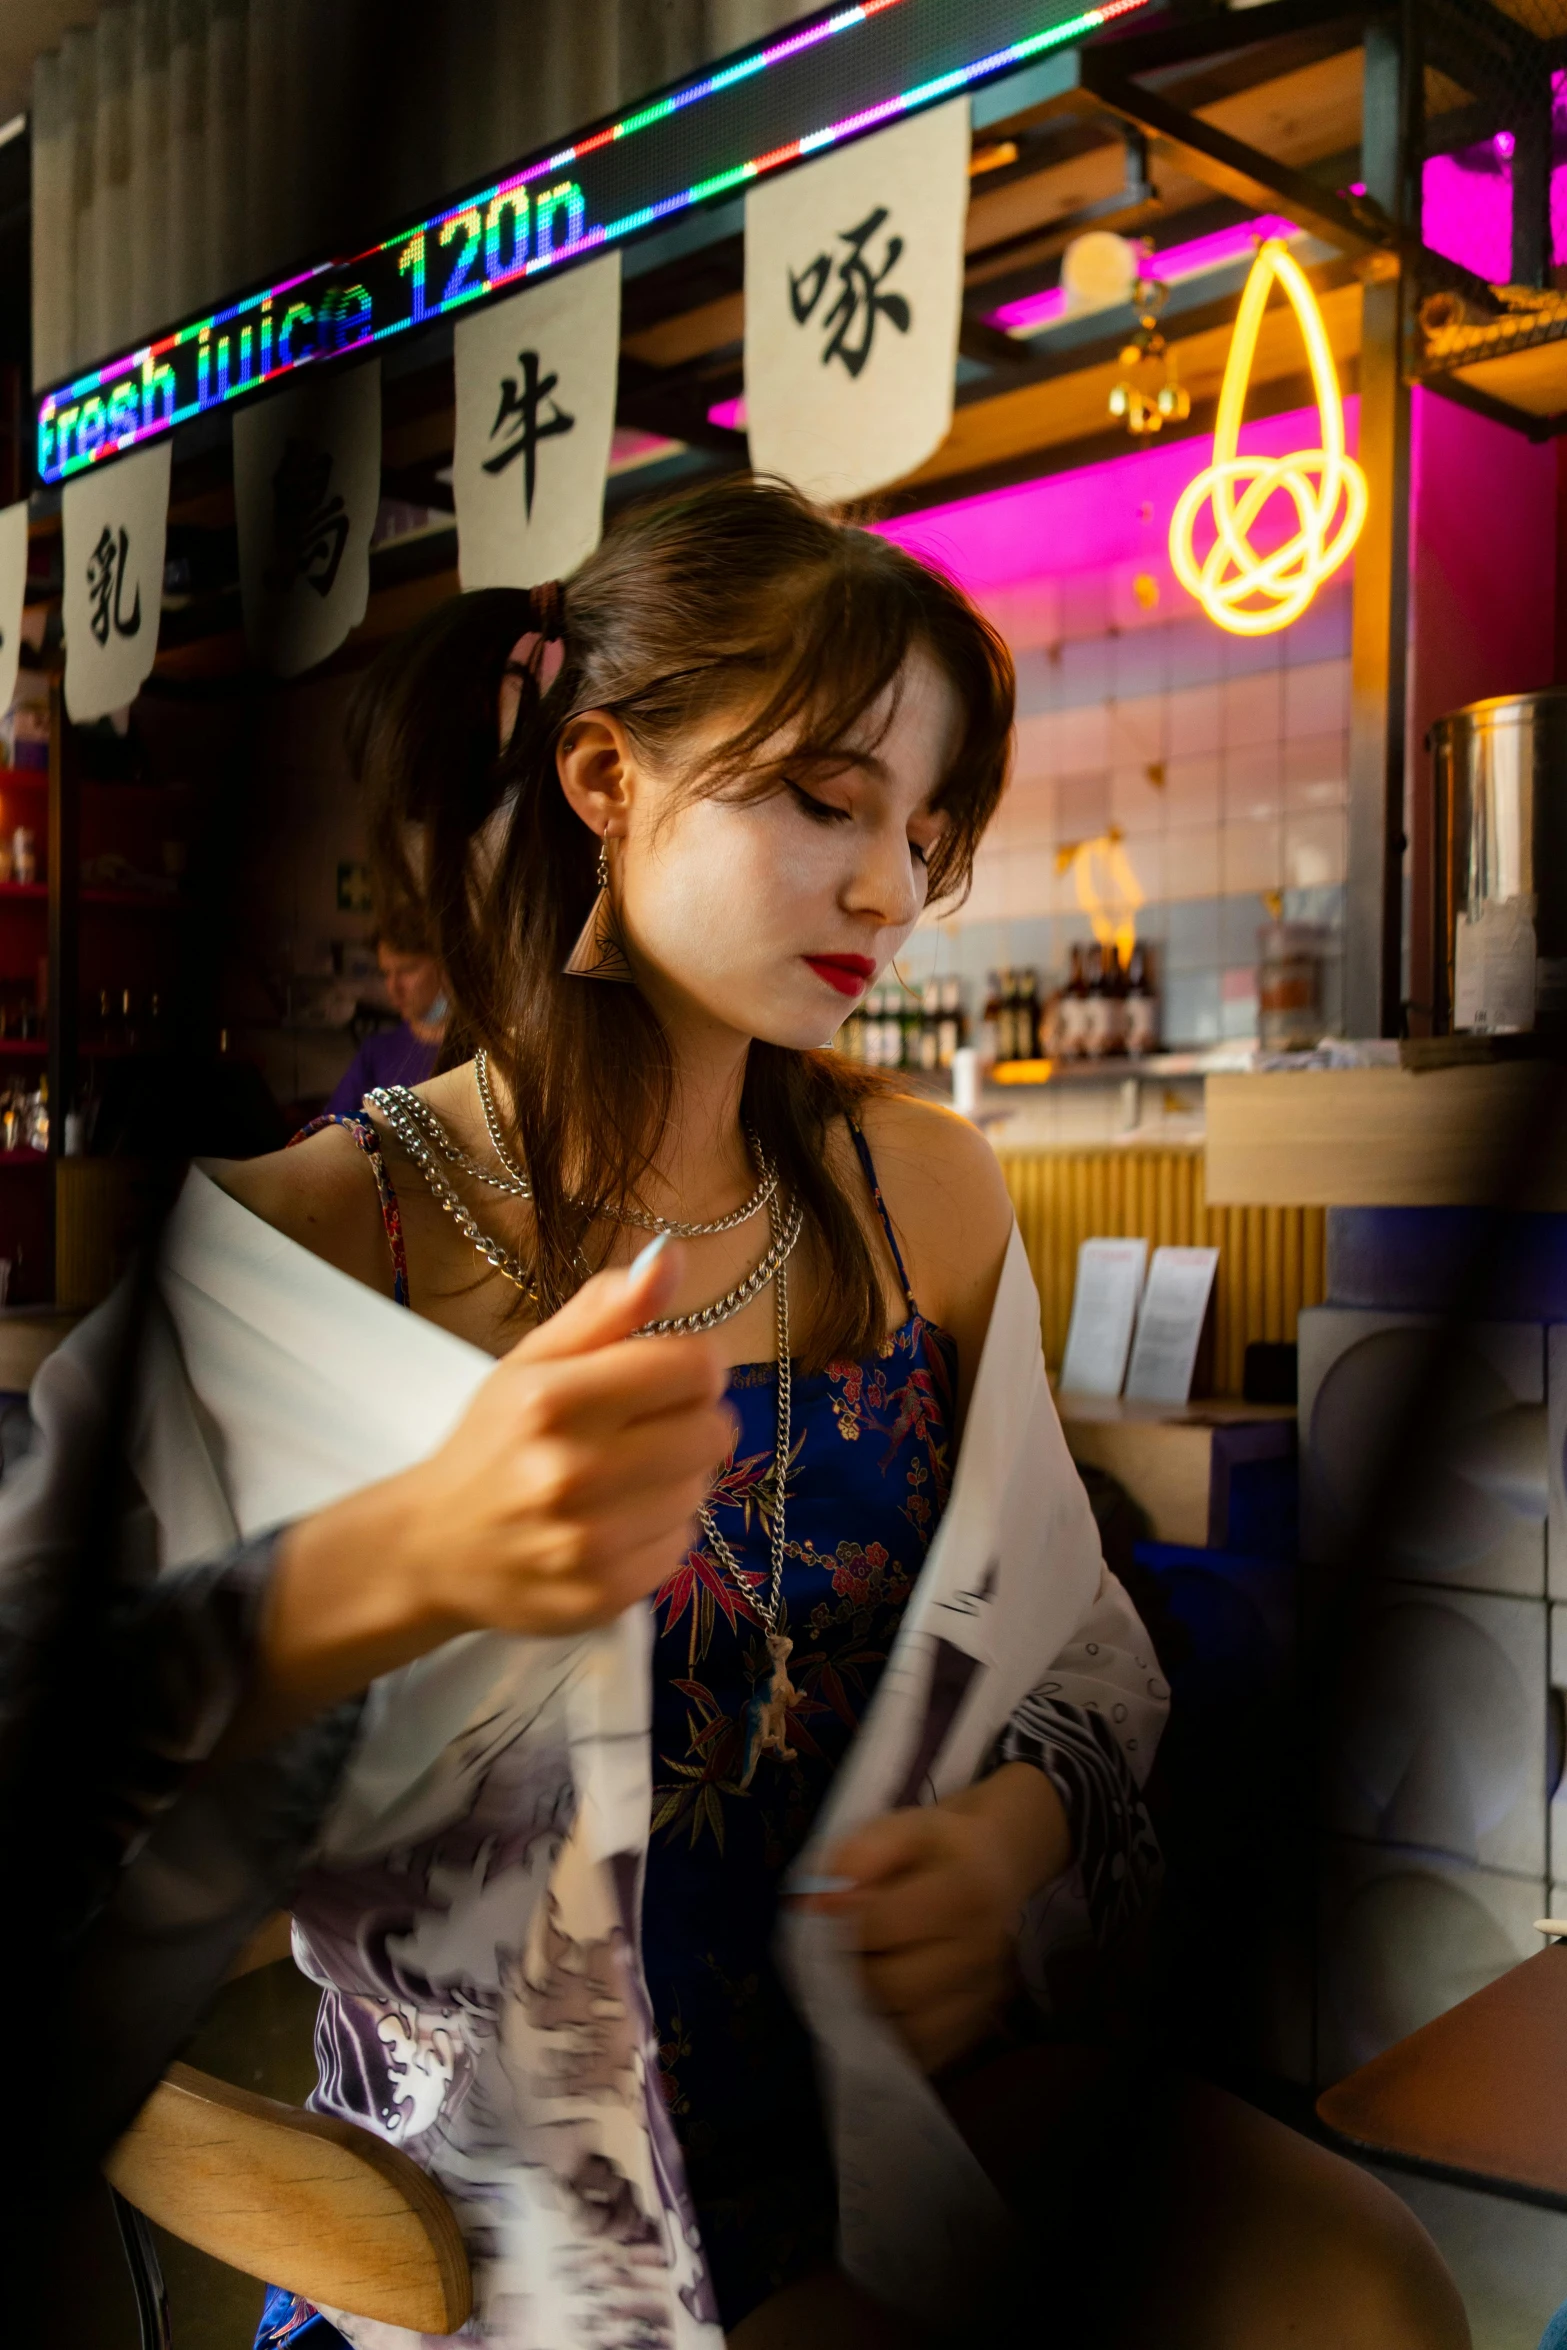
[1500, 817]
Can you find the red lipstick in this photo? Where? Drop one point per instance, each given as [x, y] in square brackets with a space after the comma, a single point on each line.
[849, 974]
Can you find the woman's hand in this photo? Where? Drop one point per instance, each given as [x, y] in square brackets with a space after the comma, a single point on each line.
[565, 1494]
[932, 1901]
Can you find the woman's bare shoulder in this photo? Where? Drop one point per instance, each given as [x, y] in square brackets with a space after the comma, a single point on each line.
[320, 1193]
[945, 1192]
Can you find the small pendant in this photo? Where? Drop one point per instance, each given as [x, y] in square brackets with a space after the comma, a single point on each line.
[767, 1714]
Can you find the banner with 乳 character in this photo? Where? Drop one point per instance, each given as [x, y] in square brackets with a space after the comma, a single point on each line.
[307, 487]
[113, 523]
[13, 594]
[853, 290]
[535, 413]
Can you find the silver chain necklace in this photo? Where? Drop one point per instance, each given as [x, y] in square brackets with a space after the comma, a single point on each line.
[766, 1608]
[426, 1141]
[392, 1102]
[517, 1184]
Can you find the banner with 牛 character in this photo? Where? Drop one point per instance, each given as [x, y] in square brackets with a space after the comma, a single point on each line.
[853, 294]
[13, 594]
[113, 523]
[307, 487]
[535, 382]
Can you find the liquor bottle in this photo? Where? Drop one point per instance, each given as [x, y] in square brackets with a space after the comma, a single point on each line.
[1115, 1001]
[1142, 1005]
[1073, 1011]
[1025, 1015]
[911, 1018]
[870, 1028]
[1050, 1023]
[989, 1039]
[926, 1039]
[1006, 1028]
[949, 1035]
[889, 1032]
[1096, 1026]
[891, 1028]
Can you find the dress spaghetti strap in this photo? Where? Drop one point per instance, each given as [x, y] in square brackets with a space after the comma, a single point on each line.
[362, 1128]
[869, 1165]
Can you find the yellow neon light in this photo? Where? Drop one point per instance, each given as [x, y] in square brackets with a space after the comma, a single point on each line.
[1248, 593]
[1113, 911]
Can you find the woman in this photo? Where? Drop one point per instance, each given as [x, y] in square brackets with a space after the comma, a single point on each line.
[770, 743]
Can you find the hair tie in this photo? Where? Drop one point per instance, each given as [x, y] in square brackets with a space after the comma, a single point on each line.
[547, 602]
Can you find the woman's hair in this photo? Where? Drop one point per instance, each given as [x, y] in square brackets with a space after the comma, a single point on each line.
[741, 602]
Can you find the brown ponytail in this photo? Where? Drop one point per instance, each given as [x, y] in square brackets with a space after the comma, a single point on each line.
[741, 600]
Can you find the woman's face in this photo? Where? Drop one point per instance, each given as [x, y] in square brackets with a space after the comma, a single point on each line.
[772, 917]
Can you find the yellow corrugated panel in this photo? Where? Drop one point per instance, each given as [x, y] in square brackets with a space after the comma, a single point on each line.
[1271, 1260]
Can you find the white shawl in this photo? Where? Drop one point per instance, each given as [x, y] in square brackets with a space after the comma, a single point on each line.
[278, 1384]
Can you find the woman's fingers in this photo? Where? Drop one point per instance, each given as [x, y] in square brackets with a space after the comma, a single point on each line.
[603, 1390]
[609, 1307]
[885, 1848]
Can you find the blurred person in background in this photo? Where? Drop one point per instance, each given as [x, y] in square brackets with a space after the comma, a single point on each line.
[416, 990]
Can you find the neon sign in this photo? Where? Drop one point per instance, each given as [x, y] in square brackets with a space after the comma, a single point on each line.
[839, 75]
[1248, 593]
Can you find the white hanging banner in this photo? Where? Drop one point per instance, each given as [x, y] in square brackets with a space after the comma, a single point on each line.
[853, 291]
[113, 522]
[307, 487]
[535, 412]
[13, 592]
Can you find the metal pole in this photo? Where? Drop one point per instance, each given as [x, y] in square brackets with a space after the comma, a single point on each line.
[1373, 944]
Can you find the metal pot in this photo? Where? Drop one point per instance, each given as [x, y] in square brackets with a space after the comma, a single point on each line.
[1499, 771]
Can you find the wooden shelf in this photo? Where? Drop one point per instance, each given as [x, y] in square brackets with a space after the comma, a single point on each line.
[33, 892]
[24, 1048]
[1372, 1138]
[24, 1158]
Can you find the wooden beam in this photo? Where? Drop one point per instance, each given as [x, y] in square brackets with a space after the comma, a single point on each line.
[1373, 1138]
[1071, 406]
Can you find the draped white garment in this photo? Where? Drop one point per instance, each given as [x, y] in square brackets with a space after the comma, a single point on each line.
[276, 1384]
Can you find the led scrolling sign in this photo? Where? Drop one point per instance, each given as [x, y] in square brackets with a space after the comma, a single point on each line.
[841, 74]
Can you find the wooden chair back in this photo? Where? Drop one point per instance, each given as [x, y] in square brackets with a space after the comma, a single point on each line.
[302, 2200]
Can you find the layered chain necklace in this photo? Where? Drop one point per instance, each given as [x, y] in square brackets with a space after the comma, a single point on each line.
[432, 1150]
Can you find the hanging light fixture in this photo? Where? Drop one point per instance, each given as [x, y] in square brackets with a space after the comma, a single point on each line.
[1249, 593]
[1147, 412]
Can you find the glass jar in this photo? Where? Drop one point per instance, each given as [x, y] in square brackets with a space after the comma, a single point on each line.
[1289, 985]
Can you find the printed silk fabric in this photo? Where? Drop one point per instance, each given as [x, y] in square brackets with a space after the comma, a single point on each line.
[478, 1884]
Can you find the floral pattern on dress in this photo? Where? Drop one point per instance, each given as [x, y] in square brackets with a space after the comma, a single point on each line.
[868, 1476]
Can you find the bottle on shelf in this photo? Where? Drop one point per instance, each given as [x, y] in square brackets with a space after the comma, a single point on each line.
[1103, 1023]
[1142, 1005]
[990, 1022]
[24, 855]
[1072, 1011]
[930, 1025]
[1006, 1021]
[951, 1033]
[1025, 1016]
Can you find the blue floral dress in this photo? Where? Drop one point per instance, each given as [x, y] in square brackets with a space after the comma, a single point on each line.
[869, 1472]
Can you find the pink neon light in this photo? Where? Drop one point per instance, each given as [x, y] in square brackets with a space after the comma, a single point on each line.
[1467, 200]
[1095, 518]
[729, 413]
[1171, 266]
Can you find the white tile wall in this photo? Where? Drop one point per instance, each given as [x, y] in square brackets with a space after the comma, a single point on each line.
[1223, 763]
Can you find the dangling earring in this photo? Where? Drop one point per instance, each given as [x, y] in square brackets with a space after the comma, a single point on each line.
[599, 952]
